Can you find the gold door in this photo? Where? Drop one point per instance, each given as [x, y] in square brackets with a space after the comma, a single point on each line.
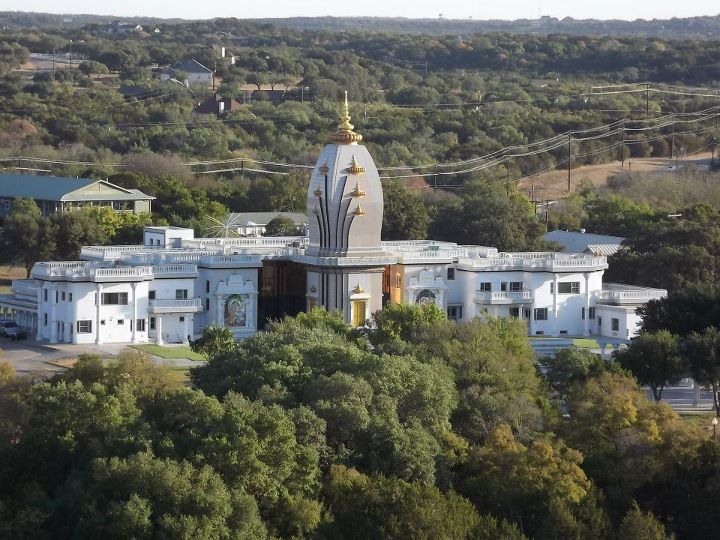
[358, 314]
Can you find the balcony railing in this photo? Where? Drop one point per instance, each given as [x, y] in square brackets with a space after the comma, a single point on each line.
[629, 296]
[189, 270]
[503, 297]
[190, 305]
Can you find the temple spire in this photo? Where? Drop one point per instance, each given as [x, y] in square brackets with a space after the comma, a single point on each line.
[345, 133]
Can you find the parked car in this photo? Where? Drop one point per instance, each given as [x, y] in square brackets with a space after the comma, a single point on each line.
[12, 330]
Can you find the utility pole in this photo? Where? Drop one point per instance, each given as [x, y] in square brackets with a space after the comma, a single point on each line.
[507, 178]
[714, 146]
[672, 143]
[622, 143]
[569, 164]
[647, 99]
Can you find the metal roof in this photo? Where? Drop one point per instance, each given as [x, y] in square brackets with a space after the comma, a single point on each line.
[603, 249]
[263, 218]
[578, 242]
[62, 188]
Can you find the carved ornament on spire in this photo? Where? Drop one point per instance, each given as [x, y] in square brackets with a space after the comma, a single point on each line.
[345, 133]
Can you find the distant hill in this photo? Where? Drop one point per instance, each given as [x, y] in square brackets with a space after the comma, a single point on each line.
[707, 27]
[691, 27]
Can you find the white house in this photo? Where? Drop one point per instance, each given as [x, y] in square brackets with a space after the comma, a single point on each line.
[195, 73]
[173, 285]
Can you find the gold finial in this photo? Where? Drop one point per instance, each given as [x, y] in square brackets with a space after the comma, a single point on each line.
[318, 192]
[354, 167]
[345, 133]
[358, 289]
[357, 192]
[359, 211]
[324, 169]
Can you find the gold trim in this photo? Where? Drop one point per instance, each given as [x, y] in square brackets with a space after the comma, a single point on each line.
[324, 169]
[359, 211]
[345, 133]
[358, 289]
[357, 192]
[354, 167]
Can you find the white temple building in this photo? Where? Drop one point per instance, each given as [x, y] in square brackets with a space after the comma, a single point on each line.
[171, 287]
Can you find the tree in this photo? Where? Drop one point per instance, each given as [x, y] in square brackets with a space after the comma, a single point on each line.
[654, 359]
[215, 340]
[28, 237]
[569, 366]
[639, 525]
[702, 350]
[75, 230]
[404, 215]
[541, 486]
[281, 226]
[485, 215]
[386, 507]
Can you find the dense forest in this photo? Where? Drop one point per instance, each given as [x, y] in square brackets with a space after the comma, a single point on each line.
[415, 427]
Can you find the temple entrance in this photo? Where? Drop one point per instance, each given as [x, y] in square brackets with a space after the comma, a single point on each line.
[282, 291]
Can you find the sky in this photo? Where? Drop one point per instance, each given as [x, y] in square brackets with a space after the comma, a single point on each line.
[454, 9]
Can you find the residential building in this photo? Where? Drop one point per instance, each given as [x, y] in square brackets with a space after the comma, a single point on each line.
[217, 105]
[254, 223]
[172, 286]
[61, 194]
[194, 71]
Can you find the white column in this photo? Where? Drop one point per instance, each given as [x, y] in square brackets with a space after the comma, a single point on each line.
[586, 322]
[186, 332]
[555, 305]
[134, 319]
[98, 338]
[52, 322]
[69, 333]
[38, 333]
[220, 319]
[158, 328]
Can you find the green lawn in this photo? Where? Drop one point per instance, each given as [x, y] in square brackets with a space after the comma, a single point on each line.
[170, 353]
[586, 343]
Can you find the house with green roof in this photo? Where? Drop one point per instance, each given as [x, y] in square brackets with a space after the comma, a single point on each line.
[62, 194]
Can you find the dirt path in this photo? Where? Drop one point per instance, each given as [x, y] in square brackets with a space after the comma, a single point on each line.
[553, 185]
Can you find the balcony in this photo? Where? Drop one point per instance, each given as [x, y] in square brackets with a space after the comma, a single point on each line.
[504, 297]
[619, 295]
[100, 272]
[190, 305]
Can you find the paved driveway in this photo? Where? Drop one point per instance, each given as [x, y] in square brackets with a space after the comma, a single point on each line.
[30, 356]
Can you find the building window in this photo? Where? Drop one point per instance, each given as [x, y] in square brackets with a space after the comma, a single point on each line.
[398, 282]
[515, 312]
[582, 311]
[526, 312]
[6, 204]
[115, 299]
[182, 319]
[451, 273]
[599, 322]
[486, 286]
[151, 295]
[180, 294]
[541, 314]
[45, 295]
[552, 287]
[614, 324]
[592, 312]
[516, 286]
[454, 313]
[152, 323]
[207, 304]
[503, 286]
[44, 319]
[63, 296]
[121, 321]
[207, 286]
[57, 296]
[569, 287]
[69, 297]
[84, 327]
[102, 322]
[140, 325]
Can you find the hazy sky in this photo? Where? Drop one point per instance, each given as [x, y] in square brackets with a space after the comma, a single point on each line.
[456, 9]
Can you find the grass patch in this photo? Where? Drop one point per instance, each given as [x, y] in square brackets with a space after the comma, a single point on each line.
[179, 376]
[170, 353]
[586, 343]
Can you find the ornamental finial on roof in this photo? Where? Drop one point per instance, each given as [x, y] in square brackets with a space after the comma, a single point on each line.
[345, 133]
